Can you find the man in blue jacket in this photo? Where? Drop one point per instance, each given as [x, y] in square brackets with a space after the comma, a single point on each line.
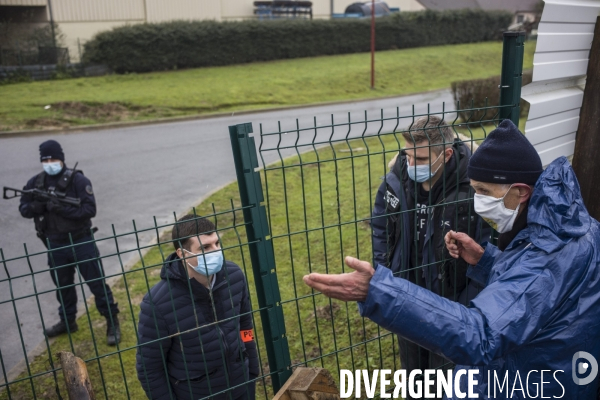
[540, 309]
[195, 327]
[425, 195]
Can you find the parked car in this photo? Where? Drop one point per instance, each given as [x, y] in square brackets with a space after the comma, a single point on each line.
[363, 9]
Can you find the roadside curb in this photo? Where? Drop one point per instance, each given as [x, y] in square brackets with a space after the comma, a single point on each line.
[130, 124]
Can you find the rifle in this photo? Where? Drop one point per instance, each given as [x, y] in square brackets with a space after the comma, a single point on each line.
[44, 194]
[50, 194]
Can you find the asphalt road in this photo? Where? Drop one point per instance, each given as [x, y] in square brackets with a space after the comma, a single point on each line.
[146, 172]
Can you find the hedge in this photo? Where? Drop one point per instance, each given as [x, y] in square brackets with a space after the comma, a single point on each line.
[187, 44]
[473, 94]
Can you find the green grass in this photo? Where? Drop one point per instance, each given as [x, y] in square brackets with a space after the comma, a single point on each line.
[111, 98]
[314, 222]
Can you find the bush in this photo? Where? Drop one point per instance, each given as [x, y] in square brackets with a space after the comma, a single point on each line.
[17, 76]
[183, 44]
[478, 93]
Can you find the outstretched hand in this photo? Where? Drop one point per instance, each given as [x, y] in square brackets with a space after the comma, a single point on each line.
[353, 286]
[462, 245]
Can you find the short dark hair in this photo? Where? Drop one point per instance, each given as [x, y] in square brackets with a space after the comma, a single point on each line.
[188, 226]
[432, 129]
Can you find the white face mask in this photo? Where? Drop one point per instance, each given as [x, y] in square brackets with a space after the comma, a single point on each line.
[494, 212]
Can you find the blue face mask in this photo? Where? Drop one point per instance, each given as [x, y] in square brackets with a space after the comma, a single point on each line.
[52, 168]
[422, 173]
[208, 263]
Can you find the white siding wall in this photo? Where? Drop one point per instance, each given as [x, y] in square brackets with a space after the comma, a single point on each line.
[237, 9]
[84, 31]
[134, 10]
[23, 2]
[95, 10]
[163, 10]
[559, 66]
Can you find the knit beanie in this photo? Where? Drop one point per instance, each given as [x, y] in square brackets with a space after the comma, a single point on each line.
[51, 149]
[505, 156]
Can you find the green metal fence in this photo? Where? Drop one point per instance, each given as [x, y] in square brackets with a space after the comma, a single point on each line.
[112, 369]
[314, 206]
[303, 201]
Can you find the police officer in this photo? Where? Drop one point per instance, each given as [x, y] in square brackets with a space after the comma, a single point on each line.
[59, 225]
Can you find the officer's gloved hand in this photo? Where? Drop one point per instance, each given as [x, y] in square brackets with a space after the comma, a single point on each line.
[38, 207]
[53, 206]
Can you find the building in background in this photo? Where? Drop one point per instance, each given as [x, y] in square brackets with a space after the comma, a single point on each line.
[523, 10]
[80, 20]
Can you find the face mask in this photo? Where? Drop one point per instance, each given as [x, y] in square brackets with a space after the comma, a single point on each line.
[52, 168]
[422, 173]
[208, 263]
[494, 212]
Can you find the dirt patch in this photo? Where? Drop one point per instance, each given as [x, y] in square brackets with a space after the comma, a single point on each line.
[65, 114]
[136, 300]
[325, 312]
[365, 224]
[311, 165]
[68, 113]
[46, 123]
[266, 371]
[313, 353]
[98, 111]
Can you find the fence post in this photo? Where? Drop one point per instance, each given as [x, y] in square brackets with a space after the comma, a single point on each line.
[587, 143]
[19, 54]
[261, 253]
[511, 76]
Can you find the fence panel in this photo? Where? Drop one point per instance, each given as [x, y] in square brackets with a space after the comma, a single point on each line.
[308, 207]
[319, 204]
[112, 369]
[318, 196]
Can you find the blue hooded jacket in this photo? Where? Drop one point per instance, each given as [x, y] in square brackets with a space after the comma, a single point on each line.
[540, 307]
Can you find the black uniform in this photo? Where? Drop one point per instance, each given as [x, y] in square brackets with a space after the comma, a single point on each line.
[54, 223]
[425, 261]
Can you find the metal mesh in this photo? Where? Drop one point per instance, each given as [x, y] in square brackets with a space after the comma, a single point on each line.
[320, 204]
[319, 184]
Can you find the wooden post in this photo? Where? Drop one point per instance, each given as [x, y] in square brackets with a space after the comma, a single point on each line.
[76, 376]
[309, 384]
[586, 162]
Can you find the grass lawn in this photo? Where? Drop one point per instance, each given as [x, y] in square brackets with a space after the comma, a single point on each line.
[112, 98]
[318, 213]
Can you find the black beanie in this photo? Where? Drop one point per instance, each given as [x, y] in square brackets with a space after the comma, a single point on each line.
[505, 156]
[51, 149]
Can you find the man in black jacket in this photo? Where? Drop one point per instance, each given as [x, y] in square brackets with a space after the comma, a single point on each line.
[195, 326]
[425, 195]
[66, 231]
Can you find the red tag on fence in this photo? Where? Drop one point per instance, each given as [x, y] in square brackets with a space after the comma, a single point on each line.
[247, 335]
